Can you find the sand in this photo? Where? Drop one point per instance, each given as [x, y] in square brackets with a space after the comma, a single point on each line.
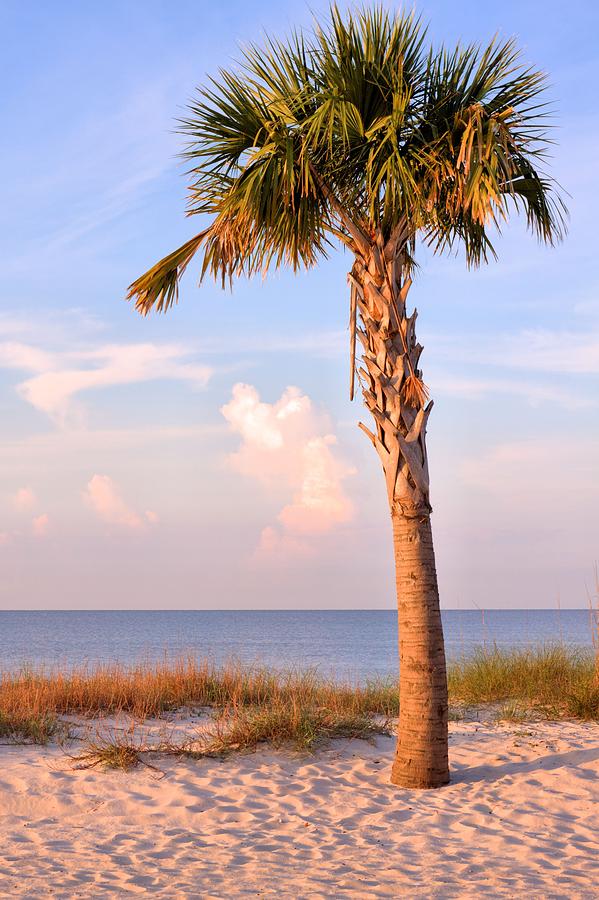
[520, 819]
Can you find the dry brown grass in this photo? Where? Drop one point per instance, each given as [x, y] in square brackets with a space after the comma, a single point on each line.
[146, 691]
[258, 705]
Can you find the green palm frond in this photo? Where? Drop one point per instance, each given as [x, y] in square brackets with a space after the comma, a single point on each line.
[346, 132]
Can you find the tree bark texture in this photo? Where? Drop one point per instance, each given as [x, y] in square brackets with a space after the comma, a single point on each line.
[394, 393]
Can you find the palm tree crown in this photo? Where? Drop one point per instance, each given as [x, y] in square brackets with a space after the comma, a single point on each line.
[357, 130]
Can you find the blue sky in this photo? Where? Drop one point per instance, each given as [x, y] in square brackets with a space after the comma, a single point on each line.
[132, 472]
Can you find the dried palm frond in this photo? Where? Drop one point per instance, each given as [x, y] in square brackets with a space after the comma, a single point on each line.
[159, 287]
[414, 391]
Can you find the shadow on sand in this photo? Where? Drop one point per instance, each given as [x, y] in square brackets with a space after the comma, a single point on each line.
[470, 775]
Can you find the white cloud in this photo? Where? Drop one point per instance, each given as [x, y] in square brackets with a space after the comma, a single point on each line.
[24, 499]
[289, 444]
[15, 355]
[103, 496]
[39, 525]
[58, 377]
[261, 424]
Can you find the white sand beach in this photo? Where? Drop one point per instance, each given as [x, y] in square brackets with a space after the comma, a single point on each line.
[520, 819]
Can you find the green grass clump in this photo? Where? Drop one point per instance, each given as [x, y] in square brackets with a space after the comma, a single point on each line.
[583, 702]
[115, 753]
[301, 727]
[33, 728]
[235, 731]
[548, 676]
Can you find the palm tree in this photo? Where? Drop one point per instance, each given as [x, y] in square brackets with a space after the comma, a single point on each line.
[357, 134]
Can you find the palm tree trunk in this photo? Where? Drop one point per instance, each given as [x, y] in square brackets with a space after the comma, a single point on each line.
[421, 757]
[398, 400]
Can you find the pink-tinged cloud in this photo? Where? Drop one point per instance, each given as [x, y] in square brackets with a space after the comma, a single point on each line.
[59, 377]
[288, 443]
[275, 543]
[103, 496]
[320, 503]
[24, 499]
[4, 538]
[39, 525]
[261, 425]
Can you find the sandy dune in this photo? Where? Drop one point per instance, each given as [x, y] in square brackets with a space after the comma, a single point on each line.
[521, 819]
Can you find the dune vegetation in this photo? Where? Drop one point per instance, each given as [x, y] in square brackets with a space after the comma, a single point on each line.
[252, 705]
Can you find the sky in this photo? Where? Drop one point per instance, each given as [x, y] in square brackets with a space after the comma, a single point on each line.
[211, 458]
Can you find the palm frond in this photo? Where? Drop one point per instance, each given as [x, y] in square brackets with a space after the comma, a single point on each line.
[158, 288]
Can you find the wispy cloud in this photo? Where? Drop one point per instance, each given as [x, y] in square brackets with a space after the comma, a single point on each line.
[37, 451]
[103, 496]
[473, 387]
[60, 376]
[288, 443]
[96, 172]
[535, 365]
[50, 325]
[538, 476]
[541, 350]
[534, 350]
[311, 343]
[13, 325]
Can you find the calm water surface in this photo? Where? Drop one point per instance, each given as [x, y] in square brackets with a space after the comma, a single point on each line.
[356, 643]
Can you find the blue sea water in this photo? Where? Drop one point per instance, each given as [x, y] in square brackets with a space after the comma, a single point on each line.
[345, 643]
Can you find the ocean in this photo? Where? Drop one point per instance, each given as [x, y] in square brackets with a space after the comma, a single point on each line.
[344, 643]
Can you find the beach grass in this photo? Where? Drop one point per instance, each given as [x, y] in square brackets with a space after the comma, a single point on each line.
[147, 691]
[233, 731]
[28, 727]
[555, 680]
[254, 705]
[302, 727]
[109, 752]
